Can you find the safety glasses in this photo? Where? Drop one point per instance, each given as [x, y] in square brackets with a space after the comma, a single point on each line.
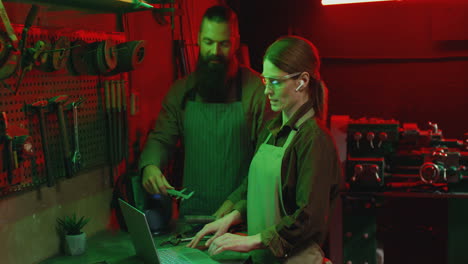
[275, 82]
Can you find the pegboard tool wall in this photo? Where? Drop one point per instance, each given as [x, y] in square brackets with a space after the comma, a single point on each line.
[38, 85]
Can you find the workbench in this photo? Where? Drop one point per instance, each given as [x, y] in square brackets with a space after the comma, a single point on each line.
[115, 247]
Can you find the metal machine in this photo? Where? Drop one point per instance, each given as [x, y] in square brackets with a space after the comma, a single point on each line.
[384, 155]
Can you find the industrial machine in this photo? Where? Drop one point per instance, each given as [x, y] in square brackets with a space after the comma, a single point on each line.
[385, 155]
[406, 192]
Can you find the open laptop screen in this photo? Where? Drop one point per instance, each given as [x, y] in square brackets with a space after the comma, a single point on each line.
[140, 233]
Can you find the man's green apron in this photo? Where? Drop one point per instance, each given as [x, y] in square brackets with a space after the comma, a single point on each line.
[263, 195]
[218, 151]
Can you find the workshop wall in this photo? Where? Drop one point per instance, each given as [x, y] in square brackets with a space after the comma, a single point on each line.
[152, 80]
[164, 64]
[28, 219]
[405, 60]
[28, 214]
[28, 207]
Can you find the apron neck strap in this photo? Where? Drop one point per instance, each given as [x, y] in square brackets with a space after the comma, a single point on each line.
[268, 138]
[288, 140]
[239, 84]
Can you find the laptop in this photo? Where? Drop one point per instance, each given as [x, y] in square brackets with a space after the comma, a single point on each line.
[145, 247]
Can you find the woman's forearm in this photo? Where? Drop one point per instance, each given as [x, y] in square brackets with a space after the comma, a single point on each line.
[235, 217]
[257, 241]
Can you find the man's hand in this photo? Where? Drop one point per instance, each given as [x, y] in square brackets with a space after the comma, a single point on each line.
[224, 209]
[235, 243]
[154, 181]
[219, 227]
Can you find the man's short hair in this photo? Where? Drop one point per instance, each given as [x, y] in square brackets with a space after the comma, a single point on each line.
[222, 14]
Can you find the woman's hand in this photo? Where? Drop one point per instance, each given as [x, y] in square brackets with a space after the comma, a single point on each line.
[219, 227]
[235, 243]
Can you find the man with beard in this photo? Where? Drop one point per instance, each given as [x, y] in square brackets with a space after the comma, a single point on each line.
[216, 113]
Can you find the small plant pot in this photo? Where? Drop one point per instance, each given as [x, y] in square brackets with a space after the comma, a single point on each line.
[75, 244]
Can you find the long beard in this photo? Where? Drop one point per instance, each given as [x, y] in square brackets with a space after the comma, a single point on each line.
[211, 79]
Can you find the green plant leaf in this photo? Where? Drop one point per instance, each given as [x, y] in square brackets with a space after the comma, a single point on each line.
[70, 225]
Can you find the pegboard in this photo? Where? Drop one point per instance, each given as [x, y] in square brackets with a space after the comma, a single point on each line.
[38, 85]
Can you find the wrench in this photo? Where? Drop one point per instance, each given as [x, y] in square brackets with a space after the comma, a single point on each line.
[39, 107]
[58, 102]
[76, 159]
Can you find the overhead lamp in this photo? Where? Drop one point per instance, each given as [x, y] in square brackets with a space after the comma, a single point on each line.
[340, 2]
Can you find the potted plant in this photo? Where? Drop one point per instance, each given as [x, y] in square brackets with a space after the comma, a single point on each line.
[70, 229]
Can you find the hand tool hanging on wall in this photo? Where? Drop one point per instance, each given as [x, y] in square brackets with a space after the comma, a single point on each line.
[10, 55]
[39, 107]
[9, 58]
[110, 132]
[130, 54]
[180, 60]
[76, 160]
[57, 102]
[8, 28]
[41, 62]
[118, 102]
[125, 118]
[115, 125]
[30, 55]
[17, 145]
[32, 14]
[8, 155]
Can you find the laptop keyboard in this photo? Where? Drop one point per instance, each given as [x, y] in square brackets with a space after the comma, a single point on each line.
[171, 257]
